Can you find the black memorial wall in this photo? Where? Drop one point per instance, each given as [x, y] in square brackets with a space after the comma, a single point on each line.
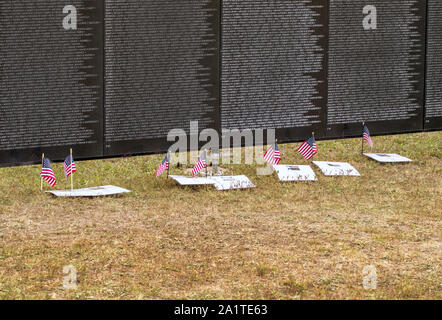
[274, 66]
[376, 66]
[51, 79]
[162, 71]
[113, 77]
[433, 103]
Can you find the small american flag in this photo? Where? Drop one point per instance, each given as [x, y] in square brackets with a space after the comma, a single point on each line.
[200, 165]
[69, 167]
[308, 149]
[272, 155]
[47, 173]
[366, 136]
[163, 166]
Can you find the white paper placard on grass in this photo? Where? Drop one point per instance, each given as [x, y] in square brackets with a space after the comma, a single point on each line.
[189, 181]
[337, 168]
[220, 182]
[295, 173]
[387, 157]
[90, 192]
[232, 182]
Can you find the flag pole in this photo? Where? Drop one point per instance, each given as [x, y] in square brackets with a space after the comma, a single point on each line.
[276, 141]
[313, 135]
[362, 144]
[41, 178]
[72, 173]
[168, 163]
[206, 163]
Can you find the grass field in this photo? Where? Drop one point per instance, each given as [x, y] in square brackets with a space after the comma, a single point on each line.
[278, 241]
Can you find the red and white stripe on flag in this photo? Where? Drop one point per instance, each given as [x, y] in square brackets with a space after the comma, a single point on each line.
[269, 156]
[277, 157]
[48, 175]
[307, 151]
[68, 170]
[368, 139]
[199, 166]
[163, 167]
[272, 156]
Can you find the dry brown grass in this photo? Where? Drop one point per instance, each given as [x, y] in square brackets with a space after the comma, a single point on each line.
[278, 241]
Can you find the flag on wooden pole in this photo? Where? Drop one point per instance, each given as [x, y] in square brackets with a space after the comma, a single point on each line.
[47, 173]
[200, 165]
[308, 149]
[163, 166]
[69, 166]
[366, 136]
[272, 155]
[41, 178]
